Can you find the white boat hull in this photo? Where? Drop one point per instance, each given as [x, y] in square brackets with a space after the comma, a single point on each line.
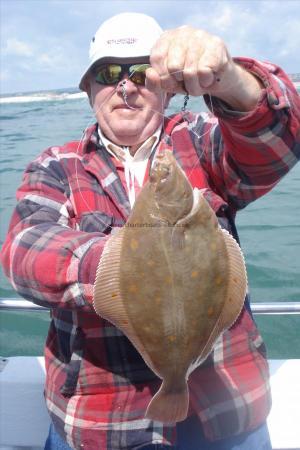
[25, 421]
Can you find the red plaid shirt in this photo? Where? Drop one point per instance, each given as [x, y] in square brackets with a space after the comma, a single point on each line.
[72, 197]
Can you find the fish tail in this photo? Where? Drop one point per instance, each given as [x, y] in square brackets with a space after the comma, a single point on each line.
[170, 404]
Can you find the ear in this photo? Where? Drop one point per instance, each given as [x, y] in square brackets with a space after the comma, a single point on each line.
[87, 89]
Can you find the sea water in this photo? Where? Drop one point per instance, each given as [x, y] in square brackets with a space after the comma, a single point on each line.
[269, 228]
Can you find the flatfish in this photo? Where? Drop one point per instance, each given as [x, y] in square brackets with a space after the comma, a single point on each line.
[172, 280]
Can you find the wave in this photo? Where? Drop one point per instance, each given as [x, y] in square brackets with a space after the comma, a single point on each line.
[42, 97]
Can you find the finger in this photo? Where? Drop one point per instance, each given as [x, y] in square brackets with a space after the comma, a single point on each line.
[152, 81]
[158, 61]
[159, 53]
[175, 63]
[167, 58]
[212, 64]
[206, 77]
[177, 53]
[191, 79]
[169, 84]
[155, 83]
[191, 82]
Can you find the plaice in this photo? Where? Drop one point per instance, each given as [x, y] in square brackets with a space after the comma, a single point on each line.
[172, 280]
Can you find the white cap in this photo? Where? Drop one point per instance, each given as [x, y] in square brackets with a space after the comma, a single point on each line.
[124, 36]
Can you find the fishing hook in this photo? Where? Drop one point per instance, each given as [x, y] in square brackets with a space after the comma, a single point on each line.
[124, 93]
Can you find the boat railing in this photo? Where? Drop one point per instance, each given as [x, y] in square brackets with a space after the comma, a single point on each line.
[23, 377]
[261, 308]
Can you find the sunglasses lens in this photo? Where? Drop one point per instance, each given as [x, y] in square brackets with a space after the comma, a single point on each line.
[137, 73]
[109, 74]
[113, 73]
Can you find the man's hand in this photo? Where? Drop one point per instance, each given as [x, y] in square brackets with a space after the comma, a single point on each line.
[190, 60]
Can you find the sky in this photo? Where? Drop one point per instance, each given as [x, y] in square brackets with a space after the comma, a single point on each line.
[44, 43]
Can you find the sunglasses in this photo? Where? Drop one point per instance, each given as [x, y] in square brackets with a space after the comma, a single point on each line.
[109, 74]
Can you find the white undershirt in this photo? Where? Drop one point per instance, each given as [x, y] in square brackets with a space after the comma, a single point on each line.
[134, 166]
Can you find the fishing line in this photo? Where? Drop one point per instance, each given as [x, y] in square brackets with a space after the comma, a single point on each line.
[122, 84]
[77, 153]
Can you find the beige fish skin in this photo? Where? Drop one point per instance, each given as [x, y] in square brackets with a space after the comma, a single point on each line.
[180, 281]
[168, 184]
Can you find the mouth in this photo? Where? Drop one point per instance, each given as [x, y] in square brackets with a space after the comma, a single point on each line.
[123, 107]
[160, 172]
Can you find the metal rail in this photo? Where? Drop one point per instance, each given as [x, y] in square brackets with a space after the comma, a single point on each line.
[275, 308]
[16, 304]
[264, 308]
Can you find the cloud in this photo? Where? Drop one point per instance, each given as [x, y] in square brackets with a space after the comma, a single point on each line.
[224, 20]
[267, 30]
[55, 58]
[39, 52]
[16, 47]
[45, 59]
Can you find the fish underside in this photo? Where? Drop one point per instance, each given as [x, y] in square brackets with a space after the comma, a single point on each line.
[175, 281]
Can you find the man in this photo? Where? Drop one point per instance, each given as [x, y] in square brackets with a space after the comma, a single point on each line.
[73, 197]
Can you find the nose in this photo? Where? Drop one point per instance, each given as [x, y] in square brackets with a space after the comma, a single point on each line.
[127, 86]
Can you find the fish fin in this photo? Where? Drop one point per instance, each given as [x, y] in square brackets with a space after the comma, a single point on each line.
[107, 298]
[237, 285]
[169, 404]
[235, 297]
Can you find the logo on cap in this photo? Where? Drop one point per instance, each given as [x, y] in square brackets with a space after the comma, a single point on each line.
[129, 40]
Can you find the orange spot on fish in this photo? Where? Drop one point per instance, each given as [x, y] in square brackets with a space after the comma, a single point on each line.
[172, 338]
[133, 288]
[157, 300]
[218, 280]
[134, 244]
[114, 295]
[210, 311]
[168, 279]
[151, 263]
[194, 274]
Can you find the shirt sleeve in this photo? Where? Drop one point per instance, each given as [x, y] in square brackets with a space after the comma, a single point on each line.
[246, 154]
[46, 257]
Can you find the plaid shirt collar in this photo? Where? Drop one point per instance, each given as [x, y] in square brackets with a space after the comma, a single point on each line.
[123, 155]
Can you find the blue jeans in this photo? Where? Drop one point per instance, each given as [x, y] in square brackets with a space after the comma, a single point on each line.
[190, 437]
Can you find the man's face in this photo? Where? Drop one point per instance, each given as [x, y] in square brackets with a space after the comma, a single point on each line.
[126, 124]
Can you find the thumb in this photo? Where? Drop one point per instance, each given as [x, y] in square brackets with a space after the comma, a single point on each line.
[152, 82]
